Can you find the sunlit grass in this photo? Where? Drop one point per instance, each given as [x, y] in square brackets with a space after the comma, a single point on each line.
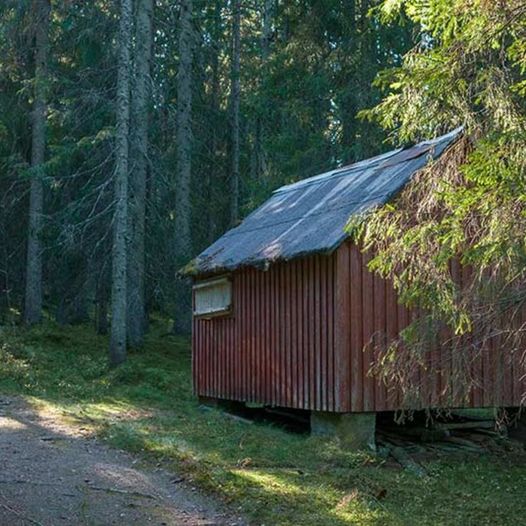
[272, 476]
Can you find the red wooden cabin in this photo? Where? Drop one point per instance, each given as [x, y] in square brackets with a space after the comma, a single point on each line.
[285, 307]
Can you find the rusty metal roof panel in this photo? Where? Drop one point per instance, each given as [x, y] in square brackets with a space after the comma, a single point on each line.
[310, 216]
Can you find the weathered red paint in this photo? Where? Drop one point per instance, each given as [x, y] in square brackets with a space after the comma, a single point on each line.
[305, 333]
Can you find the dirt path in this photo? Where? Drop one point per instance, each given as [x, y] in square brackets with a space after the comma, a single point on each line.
[51, 475]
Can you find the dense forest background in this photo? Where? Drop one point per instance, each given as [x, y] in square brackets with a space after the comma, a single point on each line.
[134, 132]
[146, 129]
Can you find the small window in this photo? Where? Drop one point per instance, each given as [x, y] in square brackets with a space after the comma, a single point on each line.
[213, 297]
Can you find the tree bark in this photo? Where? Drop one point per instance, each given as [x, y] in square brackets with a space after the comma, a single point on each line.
[214, 169]
[259, 165]
[182, 239]
[101, 309]
[136, 322]
[102, 289]
[234, 110]
[120, 221]
[33, 292]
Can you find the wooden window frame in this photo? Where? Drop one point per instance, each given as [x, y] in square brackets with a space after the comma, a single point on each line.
[208, 283]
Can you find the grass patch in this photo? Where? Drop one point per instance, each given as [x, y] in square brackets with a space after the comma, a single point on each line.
[273, 477]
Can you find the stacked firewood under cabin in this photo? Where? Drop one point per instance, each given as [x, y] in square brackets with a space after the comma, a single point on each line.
[459, 432]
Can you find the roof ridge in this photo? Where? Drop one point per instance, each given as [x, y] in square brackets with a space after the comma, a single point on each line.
[370, 162]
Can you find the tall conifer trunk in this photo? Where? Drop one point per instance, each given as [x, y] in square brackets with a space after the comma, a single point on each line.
[120, 221]
[136, 322]
[214, 169]
[33, 292]
[234, 111]
[259, 164]
[182, 234]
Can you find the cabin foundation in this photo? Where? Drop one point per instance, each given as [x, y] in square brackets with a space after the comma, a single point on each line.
[220, 403]
[353, 430]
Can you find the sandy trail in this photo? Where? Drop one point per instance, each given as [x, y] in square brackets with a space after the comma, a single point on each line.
[50, 474]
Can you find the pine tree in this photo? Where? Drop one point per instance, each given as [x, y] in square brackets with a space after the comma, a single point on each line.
[33, 296]
[182, 234]
[136, 322]
[235, 92]
[120, 249]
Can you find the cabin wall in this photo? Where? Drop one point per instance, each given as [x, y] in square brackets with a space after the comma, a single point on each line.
[304, 334]
[373, 316]
[278, 345]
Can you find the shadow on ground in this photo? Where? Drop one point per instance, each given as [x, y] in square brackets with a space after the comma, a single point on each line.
[51, 474]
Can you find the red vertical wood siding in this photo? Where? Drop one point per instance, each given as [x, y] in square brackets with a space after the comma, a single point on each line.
[277, 346]
[304, 334]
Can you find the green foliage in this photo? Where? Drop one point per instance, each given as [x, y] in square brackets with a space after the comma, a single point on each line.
[300, 94]
[468, 69]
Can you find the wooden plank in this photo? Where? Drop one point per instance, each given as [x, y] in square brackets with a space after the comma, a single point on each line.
[330, 315]
[392, 334]
[299, 335]
[312, 335]
[288, 335]
[257, 368]
[319, 323]
[502, 389]
[281, 347]
[487, 382]
[294, 333]
[208, 377]
[245, 318]
[416, 380]
[273, 335]
[305, 334]
[254, 338]
[367, 324]
[403, 320]
[322, 327]
[211, 358]
[197, 353]
[240, 376]
[232, 356]
[196, 350]
[356, 311]
[434, 371]
[342, 330]
[285, 337]
[266, 337]
[240, 327]
[379, 337]
[219, 332]
[455, 363]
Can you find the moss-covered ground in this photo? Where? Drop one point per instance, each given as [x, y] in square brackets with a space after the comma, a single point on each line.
[270, 475]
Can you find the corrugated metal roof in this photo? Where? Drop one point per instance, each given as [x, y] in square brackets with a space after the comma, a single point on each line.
[310, 216]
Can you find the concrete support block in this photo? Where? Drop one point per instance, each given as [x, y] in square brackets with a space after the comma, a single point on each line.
[353, 430]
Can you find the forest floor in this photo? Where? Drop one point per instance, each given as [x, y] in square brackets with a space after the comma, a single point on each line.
[262, 472]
